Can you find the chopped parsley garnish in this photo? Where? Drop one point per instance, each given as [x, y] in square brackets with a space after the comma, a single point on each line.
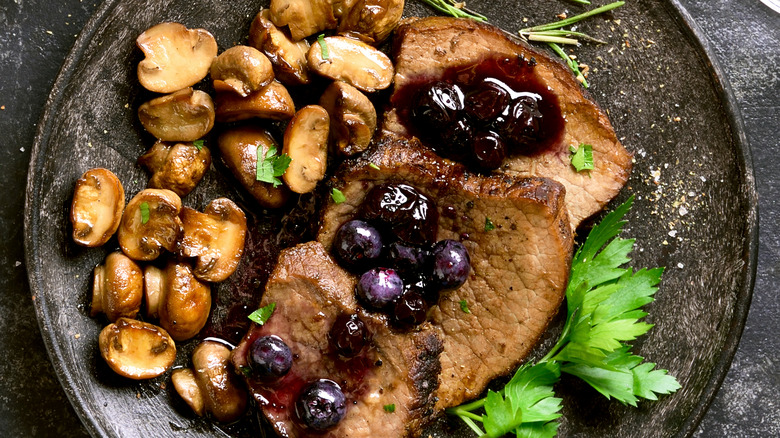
[245, 370]
[323, 47]
[144, 213]
[489, 225]
[337, 196]
[582, 157]
[464, 306]
[604, 302]
[198, 144]
[271, 166]
[389, 408]
[373, 166]
[261, 315]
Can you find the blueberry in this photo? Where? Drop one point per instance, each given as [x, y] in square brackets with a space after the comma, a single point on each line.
[270, 357]
[437, 105]
[489, 99]
[409, 261]
[456, 140]
[379, 287]
[404, 210]
[357, 244]
[423, 286]
[349, 335]
[409, 310]
[321, 405]
[523, 121]
[489, 150]
[450, 264]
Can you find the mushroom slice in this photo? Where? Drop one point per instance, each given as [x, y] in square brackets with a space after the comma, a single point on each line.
[303, 17]
[306, 142]
[272, 102]
[185, 115]
[241, 69]
[352, 118]
[96, 210]
[187, 387]
[136, 349]
[153, 290]
[150, 223]
[176, 57]
[371, 20]
[178, 167]
[222, 394]
[185, 302]
[351, 61]
[117, 287]
[215, 237]
[239, 148]
[287, 56]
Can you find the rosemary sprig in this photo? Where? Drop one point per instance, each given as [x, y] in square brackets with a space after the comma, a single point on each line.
[577, 18]
[454, 9]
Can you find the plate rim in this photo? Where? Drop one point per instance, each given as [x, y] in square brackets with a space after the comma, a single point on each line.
[683, 19]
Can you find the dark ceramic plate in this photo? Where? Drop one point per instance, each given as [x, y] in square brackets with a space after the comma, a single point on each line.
[695, 211]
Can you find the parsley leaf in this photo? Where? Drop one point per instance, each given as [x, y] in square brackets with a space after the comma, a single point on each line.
[271, 166]
[389, 408]
[338, 196]
[489, 225]
[464, 306]
[582, 157]
[323, 46]
[198, 144]
[261, 315]
[144, 207]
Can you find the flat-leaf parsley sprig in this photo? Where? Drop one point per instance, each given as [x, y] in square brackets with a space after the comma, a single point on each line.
[603, 304]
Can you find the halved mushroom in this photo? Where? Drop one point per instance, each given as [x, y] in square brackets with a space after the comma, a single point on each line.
[96, 210]
[215, 237]
[212, 387]
[351, 61]
[241, 69]
[288, 57]
[303, 17]
[153, 288]
[371, 21]
[178, 167]
[117, 287]
[306, 142]
[150, 224]
[136, 349]
[176, 57]
[239, 148]
[185, 115]
[182, 302]
[272, 102]
[352, 118]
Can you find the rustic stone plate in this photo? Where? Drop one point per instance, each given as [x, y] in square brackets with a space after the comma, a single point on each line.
[695, 211]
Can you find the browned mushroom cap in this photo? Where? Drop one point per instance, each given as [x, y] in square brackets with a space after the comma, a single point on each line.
[136, 349]
[239, 148]
[150, 223]
[178, 167]
[241, 69]
[288, 57]
[183, 380]
[185, 302]
[352, 118]
[224, 396]
[272, 102]
[371, 20]
[185, 115]
[306, 142]
[176, 57]
[351, 61]
[96, 210]
[303, 17]
[153, 289]
[215, 237]
[117, 287]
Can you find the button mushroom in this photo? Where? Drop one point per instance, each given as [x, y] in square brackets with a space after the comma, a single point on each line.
[185, 115]
[211, 386]
[303, 17]
[371, 20]
[272, 102]
[176, 57]
[215, 237]
[351, 61]
[136, 349]
[96, 210]
[178, 167]
[182, 302]
[153, 287]
[241, 69]
[117, 287]
[288, 57]
[306, 142]
[352, 118]
[150, 224]
[239, 148]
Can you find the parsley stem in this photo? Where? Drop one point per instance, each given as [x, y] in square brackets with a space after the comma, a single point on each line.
[473, 426]
[551, 39]
[468, 407]
[574, 19]
[561, 33]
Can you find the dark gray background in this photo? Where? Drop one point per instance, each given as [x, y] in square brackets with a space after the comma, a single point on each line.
[35, 37]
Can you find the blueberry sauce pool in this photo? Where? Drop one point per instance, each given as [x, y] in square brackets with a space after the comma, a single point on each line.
[497, 95]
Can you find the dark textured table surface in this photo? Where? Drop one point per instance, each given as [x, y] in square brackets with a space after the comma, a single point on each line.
[35, 36]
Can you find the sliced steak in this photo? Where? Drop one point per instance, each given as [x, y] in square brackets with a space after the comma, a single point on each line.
[520, 268]
[427, 48]
[310, 292]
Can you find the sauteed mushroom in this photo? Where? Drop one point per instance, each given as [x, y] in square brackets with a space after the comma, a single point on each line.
[272, 102]
[241, 69]
[303, 17]
[96, 210]
[182, 302]
[136, 349]
[287, 56]
[306, 142]
[150, 223]
[352, 118]
[371, 20]
[185, 115]
[178, 167]
[117, 287]
[352, 61]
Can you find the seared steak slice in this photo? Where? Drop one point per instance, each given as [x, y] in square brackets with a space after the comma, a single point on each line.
[520, 268]
[310, 292]
[426, 48]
